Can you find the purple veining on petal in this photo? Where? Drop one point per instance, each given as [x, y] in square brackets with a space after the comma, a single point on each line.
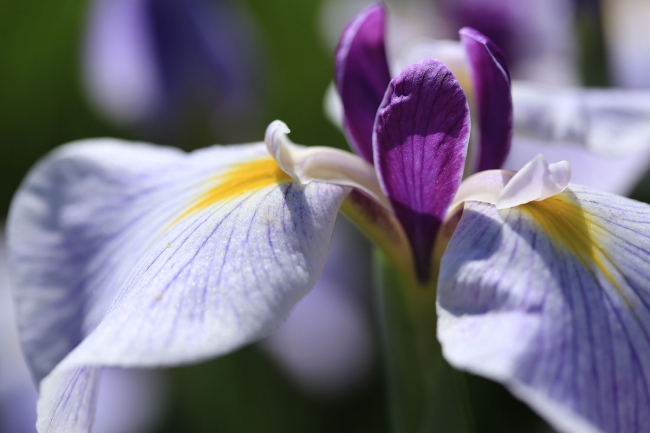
[516, 306]
[362, 76]
[491, 81]
[420, 145]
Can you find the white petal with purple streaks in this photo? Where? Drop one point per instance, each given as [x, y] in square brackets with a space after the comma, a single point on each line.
[106, 224]
[552, 299]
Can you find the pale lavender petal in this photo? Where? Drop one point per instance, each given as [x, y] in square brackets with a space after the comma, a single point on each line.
[491, 80]
[65, 237]
[130, 401]
[420, 145]
[362, 75]
[17, 391]
[155, 279]
[552, 299]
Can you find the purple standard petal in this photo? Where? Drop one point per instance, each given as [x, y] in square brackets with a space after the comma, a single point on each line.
[420, 145]
[552, 299]
[491, 81]
[362, 76]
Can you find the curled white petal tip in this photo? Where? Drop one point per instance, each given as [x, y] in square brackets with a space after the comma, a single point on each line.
[280, 147]
[322, 164]
[536, 181]
[276, 127]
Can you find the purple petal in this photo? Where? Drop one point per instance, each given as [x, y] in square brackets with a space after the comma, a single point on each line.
[422, 131]
[491, 80]
[552, 299]
[362, 76]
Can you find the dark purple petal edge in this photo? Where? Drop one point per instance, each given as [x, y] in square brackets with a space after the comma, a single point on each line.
[491, 82]
[420, 145]
[362, 75]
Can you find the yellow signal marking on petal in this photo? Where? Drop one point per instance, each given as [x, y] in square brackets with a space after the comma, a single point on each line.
[575, 229]
[242, 178]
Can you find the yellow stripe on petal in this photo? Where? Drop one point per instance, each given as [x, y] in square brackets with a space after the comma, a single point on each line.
[242, 178]
[576, 230]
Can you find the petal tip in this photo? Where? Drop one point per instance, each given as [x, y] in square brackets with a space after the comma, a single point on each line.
[536, 181]
[362, 75]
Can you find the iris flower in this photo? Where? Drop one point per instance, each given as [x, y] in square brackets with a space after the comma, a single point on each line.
[131, 255]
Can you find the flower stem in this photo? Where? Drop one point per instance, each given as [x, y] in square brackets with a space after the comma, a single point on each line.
[425, 394]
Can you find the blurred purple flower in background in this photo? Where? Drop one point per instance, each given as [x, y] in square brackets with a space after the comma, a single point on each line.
[174, 69]
[536, 36]
[129, 401]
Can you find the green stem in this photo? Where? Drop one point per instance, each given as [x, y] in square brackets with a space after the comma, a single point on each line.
[425, 393]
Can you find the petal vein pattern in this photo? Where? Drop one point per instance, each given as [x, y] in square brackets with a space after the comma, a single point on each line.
[552, 298]
[420, 146]
[137, 256]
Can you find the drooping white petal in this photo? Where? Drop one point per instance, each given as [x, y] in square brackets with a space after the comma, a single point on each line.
[552, 299]
[131, 255]
[324, 164]
[537, 180]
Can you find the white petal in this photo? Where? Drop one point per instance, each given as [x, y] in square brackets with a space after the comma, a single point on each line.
[324, 164]
[537, 180]
[164, 258]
